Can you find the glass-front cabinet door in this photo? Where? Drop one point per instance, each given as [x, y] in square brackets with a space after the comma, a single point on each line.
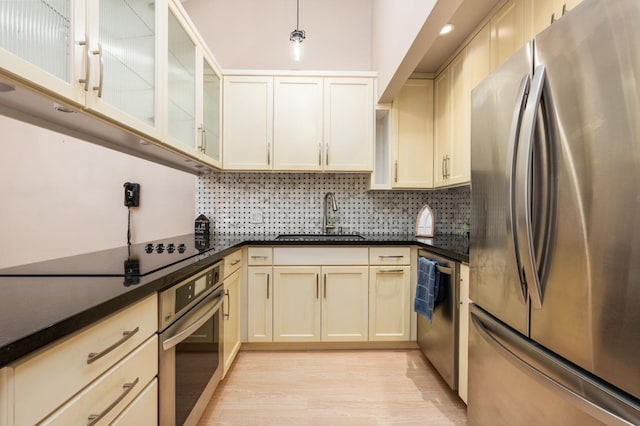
[43, 45]
[211, 113]
[181, 74]
[123, 40]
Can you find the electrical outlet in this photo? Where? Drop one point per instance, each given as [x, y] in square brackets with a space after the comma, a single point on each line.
[256, 216]
[131, 194]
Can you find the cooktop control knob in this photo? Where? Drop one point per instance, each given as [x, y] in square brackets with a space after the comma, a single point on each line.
[182, 248]
[171, 248]
[148, 248]
[160, 248]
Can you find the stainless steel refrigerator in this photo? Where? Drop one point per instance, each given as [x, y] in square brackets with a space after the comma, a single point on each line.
[555, 232]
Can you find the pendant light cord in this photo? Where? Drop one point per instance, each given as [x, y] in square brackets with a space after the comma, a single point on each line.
[129, 227]
[298, 14]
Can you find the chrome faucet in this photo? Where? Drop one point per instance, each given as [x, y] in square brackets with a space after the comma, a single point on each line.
[326, 226]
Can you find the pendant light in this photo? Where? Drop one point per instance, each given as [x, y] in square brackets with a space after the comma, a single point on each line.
[297, 36]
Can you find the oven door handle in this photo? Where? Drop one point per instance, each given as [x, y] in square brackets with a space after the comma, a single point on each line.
[186, 325]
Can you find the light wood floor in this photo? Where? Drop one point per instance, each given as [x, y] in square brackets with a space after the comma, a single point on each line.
[377, 387]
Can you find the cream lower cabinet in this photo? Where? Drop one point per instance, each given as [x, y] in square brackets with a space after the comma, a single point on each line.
[83, 375]
[296, 304]
[231, 317]
[260, 304]
[328, 303]
[345, 303]
[463, 333]
[143, 410]
[389, 303]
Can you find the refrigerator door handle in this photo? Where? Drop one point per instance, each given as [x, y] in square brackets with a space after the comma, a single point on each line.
[556, 374]
[514, 133]
[524, 189]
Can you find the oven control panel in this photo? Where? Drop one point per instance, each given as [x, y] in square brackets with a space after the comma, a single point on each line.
[182, 296]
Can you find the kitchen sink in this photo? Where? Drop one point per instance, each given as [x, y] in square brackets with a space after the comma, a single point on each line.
[320, 237]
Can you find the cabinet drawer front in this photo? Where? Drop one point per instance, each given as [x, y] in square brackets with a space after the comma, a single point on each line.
[144, 410]
[65, 365]
[320, 255]
[259, 256]
[232, 262]
[390, 256]
[122, 383]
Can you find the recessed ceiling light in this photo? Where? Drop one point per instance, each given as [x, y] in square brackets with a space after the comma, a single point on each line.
[447, 29]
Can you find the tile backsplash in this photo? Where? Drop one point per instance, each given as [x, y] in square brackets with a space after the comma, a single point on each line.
[292, 203]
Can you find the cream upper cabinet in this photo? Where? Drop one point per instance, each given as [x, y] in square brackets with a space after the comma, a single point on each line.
[296, 304]
[452, 124]
[297, 125]
[479, 57]
[247, 123]
[123, 81]
[181, 83]
[58, 28]
[389, 303]
[413, 139]
[99, 55]
[539, 14]
[348, 124]
[210, 114]
[507, 32]
[345, 303]
[231, 318]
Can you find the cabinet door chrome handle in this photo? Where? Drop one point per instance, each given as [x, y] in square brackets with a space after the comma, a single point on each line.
[268, 275]
[204, 140]
[317, 286]
[235, 262]
[259, 257]
[325, 286]
[391, 271]
[564, 9]
[126, 335]
[95, 418]
[101, 60]
[87, 67]
[226, 293]
[326, 153]
[391, 256]
[268, 153]
[396, 172]
[319, 154]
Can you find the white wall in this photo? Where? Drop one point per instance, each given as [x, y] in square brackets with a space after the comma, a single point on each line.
[61, 196]
[254, 34]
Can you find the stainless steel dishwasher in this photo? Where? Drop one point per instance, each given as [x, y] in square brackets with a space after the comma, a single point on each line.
[438, 340]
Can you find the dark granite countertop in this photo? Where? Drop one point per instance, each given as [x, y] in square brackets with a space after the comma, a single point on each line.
[37, 310]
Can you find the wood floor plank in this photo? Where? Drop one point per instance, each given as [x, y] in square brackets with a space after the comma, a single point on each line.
[318, 388]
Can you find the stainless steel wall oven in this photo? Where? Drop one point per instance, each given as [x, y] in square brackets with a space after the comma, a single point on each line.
[190, 346]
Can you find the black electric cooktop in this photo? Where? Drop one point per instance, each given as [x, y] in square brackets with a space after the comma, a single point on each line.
[136, 260]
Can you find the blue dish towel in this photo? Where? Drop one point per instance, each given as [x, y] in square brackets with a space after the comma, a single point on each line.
[427, 288]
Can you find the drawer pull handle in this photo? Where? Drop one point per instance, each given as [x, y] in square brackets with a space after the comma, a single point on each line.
[259, 257]
[126, 335]
[234, 263]
[95, 418]
[391, 271]
[391, 257]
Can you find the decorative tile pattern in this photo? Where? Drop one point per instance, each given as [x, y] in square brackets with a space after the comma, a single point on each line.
[292, 203]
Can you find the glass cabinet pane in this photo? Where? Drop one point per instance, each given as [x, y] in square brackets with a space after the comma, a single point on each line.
[40, 32]
[211, 112]
[127, 38]
[182, 84]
